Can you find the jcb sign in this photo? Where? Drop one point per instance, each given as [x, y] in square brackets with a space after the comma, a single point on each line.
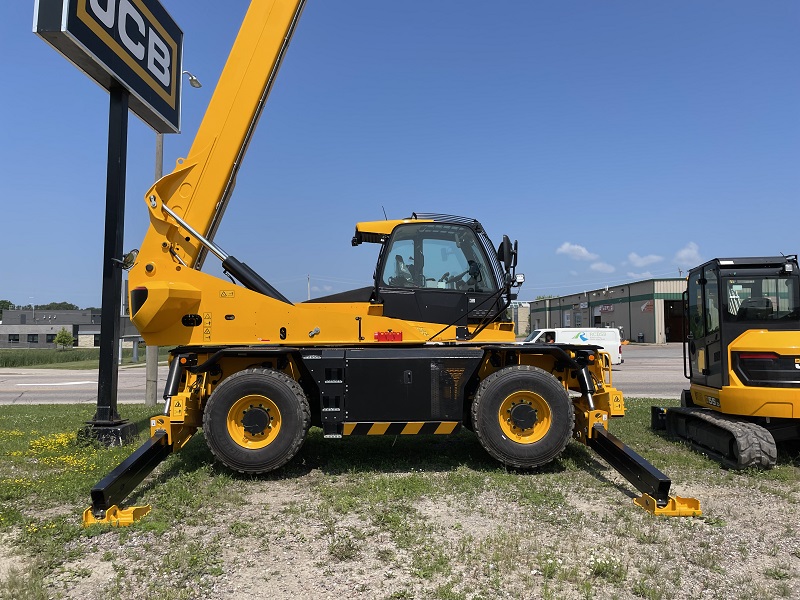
[134, 43]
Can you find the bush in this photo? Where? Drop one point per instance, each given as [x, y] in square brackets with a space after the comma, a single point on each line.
[27, 358]
[36, 357]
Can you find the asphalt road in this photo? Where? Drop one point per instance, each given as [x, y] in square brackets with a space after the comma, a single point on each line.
[649, 371]
[72, 386]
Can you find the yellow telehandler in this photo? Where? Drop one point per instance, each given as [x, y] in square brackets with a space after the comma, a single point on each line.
[426, 349]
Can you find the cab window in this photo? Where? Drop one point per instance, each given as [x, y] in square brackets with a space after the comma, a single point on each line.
[696, 313]
[712, 302]
[439, 256]
[762, 299]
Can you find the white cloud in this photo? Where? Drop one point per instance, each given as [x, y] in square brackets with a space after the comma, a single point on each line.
[688, 256]
[576, 252]
[643, 261]
[602, 267]
[324, 288]
[637, 276]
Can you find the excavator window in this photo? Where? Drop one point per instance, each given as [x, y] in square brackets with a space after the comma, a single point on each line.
[696, 316]
[762, 299]
[712, 302]
[437, 256]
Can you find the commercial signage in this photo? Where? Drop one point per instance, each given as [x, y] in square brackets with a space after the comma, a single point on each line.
[133, 43]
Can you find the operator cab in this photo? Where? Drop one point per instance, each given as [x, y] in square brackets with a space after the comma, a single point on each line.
[726, 298]
[437, 269]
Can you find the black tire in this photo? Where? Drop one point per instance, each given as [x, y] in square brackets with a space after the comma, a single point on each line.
[513, 440]
[274, 431]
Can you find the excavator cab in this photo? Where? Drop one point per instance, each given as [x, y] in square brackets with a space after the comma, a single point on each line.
[726, 299]
[439, 269]
[742, 360]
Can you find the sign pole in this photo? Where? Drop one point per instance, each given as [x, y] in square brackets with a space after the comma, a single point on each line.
[134, 50]
[107, 426]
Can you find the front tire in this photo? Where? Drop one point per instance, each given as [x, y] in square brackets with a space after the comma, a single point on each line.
[256, 420]
[523, 416]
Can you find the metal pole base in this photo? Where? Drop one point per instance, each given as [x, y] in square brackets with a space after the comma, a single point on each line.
[118, 434]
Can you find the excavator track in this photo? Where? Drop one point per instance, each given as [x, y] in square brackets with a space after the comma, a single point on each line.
[735, 443]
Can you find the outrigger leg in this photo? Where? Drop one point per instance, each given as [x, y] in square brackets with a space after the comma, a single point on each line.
[653, 484]
[115, 487]
[591, 428]
[168, 434]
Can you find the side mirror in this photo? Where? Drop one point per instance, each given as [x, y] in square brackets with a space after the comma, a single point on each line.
[514, 262]
[505, 253]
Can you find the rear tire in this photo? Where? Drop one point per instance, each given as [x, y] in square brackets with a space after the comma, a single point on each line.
[256, 420]
[523, 416]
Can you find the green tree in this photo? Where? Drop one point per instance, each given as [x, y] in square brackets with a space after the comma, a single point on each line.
[57, 306]
[5, 305]
[64, 338]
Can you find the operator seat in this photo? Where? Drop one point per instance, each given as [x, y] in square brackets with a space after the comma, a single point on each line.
[755, 308]
[402, 274]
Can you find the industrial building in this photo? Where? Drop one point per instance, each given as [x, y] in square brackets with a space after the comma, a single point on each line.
[649, 311]
[33, 328]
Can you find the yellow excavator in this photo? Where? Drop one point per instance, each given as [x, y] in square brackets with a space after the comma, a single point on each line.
[426, 349]
[742, 359]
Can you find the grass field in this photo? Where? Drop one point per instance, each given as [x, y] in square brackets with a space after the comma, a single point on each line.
[388, 518]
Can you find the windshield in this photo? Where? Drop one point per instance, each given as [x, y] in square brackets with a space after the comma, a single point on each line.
[437, 255]
[761, 299]
[533, 335]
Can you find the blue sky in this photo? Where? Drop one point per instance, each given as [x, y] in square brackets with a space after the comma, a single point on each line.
[616, 140]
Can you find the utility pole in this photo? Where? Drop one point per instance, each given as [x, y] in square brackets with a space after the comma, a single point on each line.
[151, 352]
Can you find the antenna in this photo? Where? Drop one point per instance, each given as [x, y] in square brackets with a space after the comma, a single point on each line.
[384, 213]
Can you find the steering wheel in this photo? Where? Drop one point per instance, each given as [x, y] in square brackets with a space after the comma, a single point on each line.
[474, 272]
[399, 282]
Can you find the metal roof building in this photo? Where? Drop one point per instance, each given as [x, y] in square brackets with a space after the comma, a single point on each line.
[645, 311]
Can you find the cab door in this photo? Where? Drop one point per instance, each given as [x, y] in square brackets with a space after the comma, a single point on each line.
[704, 337]
[437, 273]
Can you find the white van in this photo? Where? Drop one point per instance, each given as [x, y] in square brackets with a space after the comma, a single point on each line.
[606, 337]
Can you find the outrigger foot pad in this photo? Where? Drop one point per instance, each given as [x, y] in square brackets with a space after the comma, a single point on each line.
[675, 507]
[115, 516]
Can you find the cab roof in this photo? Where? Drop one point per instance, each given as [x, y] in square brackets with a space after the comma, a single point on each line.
[377, 232]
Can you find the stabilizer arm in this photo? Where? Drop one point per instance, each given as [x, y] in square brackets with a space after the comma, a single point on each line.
[169, 433]
[653, 484]
[591, 428]
[115, 487]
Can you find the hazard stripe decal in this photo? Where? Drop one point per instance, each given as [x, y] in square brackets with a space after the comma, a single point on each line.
[403, 428]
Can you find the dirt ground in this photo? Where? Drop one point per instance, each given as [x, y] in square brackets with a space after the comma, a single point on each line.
[280, 540]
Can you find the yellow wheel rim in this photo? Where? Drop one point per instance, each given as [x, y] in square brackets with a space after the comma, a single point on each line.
[254, 421]
[525, 417]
